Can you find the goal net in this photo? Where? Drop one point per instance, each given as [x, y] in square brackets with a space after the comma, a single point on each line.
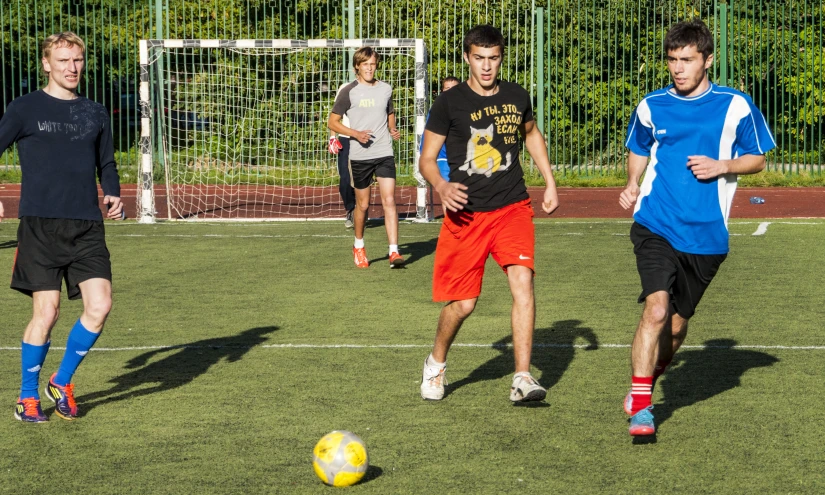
[237, 129]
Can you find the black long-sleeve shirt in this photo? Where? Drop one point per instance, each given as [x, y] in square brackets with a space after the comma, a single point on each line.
[62, 145]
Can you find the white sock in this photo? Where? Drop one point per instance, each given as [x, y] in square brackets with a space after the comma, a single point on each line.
[393, 248]
[432, 362]
[359, 243]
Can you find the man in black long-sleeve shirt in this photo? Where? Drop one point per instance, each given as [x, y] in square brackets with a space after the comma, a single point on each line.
[63, 141]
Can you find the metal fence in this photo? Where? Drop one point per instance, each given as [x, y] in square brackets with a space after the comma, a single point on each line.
[587, 63]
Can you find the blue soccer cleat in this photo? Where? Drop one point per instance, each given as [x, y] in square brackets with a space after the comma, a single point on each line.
[63, 398]
[641, 423]
[29, 411]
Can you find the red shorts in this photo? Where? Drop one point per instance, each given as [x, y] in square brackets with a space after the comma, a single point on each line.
[467, 238]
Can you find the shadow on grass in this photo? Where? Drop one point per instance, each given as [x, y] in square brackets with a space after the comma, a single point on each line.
[553, 351]
[8, 244]
[373, 472]
[699, 374]
[181, 366]
[412, 251]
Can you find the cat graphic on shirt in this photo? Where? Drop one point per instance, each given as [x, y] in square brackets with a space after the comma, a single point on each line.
[482, 158]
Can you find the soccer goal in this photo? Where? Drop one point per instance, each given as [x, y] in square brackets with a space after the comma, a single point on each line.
[236, 129]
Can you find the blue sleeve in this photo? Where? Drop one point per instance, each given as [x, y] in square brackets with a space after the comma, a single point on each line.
[753, 137]
[442, 153]
[639, 137]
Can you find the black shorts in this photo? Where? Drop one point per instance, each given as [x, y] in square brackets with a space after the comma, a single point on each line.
[50, 250]
[662, 268]
[363, 170]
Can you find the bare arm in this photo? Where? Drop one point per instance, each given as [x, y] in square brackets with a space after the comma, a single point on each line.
[1, 211]
[636, 165]
[334, 124]
[452, 194]
[704, 167]
[537, 147]
[392, 128]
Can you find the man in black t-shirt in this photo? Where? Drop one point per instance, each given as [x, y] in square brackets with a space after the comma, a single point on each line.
[487, 208]
[63, 140]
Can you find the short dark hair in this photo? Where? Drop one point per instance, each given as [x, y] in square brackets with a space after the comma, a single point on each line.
[451, 79]
[484, 36]
[688, 33]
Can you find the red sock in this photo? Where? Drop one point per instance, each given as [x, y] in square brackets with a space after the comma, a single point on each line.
[641, 388]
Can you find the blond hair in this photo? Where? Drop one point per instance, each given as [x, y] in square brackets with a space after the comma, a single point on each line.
[363, 54]
[57, 40]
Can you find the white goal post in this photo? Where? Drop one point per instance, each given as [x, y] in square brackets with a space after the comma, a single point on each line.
[236, 129]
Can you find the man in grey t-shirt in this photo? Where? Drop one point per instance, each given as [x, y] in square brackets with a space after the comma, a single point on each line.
[367, 103]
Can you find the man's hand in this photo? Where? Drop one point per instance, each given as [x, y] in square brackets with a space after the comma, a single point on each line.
[628, 197]
[395, 134]
[452, 195]
[115, 208]
[363, 137]
[551, 199]
[704, 167]
[334, 145]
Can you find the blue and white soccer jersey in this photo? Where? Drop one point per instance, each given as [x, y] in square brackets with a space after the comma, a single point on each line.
[722, 124]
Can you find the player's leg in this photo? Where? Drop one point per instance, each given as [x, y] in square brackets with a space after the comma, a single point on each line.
[34, 348]
[513, 247]
[457, 274]
[452, 316]
[97, 303]
[657, 264]
[362, 178]
[385, 173]
[345, 188]
[38, 272]
[88, 277]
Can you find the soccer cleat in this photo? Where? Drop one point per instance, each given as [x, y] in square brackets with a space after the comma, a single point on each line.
[433, 381]
[63, 398]
[526, 389]
[348, 222]
[396, 260]
[28, 410]
[360, 256]
[628, 404]
[641, 423]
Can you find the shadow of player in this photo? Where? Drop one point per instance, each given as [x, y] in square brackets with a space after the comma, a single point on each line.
[553, 351]
[412, 251]
[181, 366]
[699, 374]
[8, 244]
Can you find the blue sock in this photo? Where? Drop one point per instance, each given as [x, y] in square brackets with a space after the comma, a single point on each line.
[32, 358]
[78, 345]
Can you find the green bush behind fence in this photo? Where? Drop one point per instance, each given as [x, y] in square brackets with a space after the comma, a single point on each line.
[587, 63]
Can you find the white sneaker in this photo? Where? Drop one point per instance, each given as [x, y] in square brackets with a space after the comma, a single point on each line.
[526, 389]
[433, 381]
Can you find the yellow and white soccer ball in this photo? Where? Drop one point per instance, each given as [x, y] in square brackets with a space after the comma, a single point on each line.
[340, 458]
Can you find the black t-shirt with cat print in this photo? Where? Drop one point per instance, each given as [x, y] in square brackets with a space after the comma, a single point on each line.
[483, 142]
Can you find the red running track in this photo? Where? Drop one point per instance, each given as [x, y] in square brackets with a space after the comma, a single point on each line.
[807, 202]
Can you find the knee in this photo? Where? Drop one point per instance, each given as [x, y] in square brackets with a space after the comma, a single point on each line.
[46, 315]
[656, 313]
[463, 308]
[388, 201]
[98, 309]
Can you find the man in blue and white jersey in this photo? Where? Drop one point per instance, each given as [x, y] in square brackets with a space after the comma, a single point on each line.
[691, 140]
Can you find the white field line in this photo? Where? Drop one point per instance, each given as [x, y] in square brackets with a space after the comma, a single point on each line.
[762, 229]
[427, 346]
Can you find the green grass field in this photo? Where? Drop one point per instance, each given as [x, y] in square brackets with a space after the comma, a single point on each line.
[232, 348]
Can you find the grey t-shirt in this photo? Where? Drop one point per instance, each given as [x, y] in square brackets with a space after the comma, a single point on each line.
[367, 107]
